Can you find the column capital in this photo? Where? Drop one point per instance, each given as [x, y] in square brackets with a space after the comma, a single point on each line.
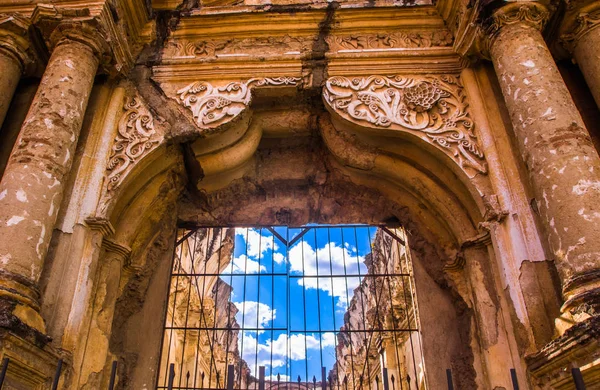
[14, 39]
[94, 28]
[530, 13]
[578, 22]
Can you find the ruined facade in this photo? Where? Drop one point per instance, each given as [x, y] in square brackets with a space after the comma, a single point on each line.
[473, 124]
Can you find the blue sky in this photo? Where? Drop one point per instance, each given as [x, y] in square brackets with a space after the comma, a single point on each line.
[276, 310]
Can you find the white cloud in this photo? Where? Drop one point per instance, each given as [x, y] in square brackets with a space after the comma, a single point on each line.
[299, 345]
[331, 259]
[251, 312]
[242, 264]
[256, 243]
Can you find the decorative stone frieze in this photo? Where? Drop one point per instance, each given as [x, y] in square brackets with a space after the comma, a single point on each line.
[432, 108]
[212, 106]
[136, 137]
[206, 49]
[394, 40]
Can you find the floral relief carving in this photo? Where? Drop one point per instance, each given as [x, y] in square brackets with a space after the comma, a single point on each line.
[433, 108]
[438, 38]
[135, 138]
[212, 106]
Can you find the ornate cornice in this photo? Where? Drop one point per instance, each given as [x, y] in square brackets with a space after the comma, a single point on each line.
[94, 27]
[432, 108]
[14, 38]
[587, 19]
[212, 106]
[136, 137]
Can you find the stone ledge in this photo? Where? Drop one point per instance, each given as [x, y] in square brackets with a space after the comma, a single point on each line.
[578, 347]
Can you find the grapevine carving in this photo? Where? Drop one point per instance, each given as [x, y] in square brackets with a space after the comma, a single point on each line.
[433, 108]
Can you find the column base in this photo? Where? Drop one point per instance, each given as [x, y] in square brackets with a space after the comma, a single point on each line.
[31, 366]
[579, 347]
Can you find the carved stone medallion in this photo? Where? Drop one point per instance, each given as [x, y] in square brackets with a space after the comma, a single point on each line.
[433, 108]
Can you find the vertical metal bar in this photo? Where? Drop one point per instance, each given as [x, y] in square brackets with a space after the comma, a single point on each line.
[304, 310]
[324, 378]
[261, 378]
[3, 371]
[577, 378]
[386, 383]
[230, 377]
[57, 375]
[513, 376]
[243, 326]
[113, 374]
[348, 306]
[449, 378]
[171, 376]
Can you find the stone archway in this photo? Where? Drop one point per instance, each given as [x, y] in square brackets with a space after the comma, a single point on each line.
[288, 165]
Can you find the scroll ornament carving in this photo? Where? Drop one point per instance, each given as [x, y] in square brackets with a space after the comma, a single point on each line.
[213, 106]
[585, 22]
[136, 137]
[433, 108]
[393, 40]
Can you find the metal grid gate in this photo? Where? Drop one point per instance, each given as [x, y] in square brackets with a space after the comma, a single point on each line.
[297, 308]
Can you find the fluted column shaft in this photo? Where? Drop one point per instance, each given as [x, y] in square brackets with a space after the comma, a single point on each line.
[562, 163]
[32, 187]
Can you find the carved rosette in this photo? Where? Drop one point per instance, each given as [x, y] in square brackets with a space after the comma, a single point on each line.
[213, 106]
[136, 137]
[433, 108]
[583, 23]
[395, 40]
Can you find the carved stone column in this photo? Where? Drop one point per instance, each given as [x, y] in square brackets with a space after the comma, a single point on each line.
[32, 186]
[583, 41]
[14, 57]
[563, 165]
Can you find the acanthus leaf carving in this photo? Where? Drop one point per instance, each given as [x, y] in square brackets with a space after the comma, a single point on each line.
[433, 108]
[213, 106]
[136, 137]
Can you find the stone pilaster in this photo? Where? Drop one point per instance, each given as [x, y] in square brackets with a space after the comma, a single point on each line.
[583, 40]
[32, 186]
[112, 262]
[562, 163]
[14, 57]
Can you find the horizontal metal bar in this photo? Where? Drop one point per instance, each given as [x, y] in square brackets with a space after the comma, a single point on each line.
[212, 328]
[346, 276]
[357, 330]
[242, 274]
